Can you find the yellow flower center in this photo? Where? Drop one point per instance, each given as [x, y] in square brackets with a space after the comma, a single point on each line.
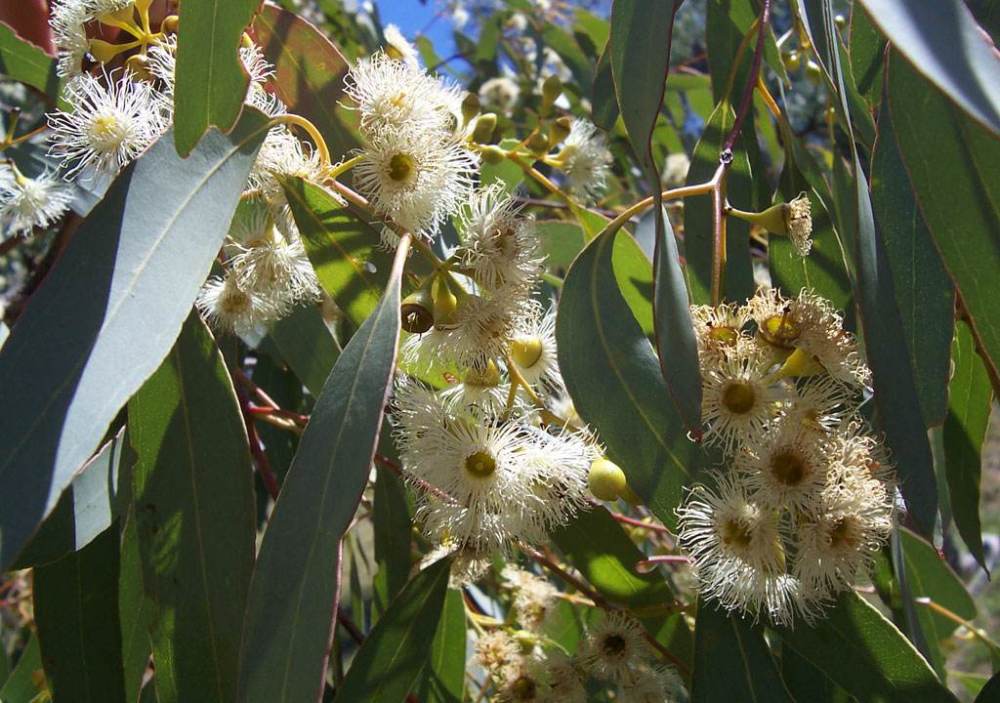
[723, 334]
[107, 132]
[780, 330]
[735, 533]
[401, 167]
[480, 464]
[739, 397]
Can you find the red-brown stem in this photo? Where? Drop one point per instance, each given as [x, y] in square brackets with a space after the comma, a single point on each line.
[297, 418]
[746, 99]
[256, 446]
[349, 625]
[647, 565]
[395, 468]
[626, 520]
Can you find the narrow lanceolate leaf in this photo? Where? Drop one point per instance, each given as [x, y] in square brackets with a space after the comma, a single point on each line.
[115, 301]
[76, 611]
[27, 680]
[211, 80]
[307, 345]
[640, 58]
[942, 41]
[391, 525]
[86, 509]
[614, 377]
[134, 608]
[604, 112]
[27, 63]
[893, 378]
[293, 594]
[732, 661]
[193, 492]
[395, 651]
[308, 71]
[343, 248]
[863, 653]
[923, 291]
[954, 168]
[970, 399]
[444, 676]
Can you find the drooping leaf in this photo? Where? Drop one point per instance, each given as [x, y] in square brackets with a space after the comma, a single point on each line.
[23, 61]
[391, 524]
[115, 300]
[211, 81]
[76, 611]
[614, 377]
[923, 292]
[309, 72]
[195, 517]
[863, 653]
[297, 577]
[942, 41]
[395, 651]
[954, 168]
[86, 509]
[807, 683]
[732, 661]
[28, 677]
[444, 676]
[307, 346]
[134, 608]
[867, 57]
[970, 399]
[604, 112]
[343, 247]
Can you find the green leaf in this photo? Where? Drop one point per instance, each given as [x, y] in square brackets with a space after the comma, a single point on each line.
[23, 61]
[309, 72]
[867, 57]
[863, 653]
[570, 52]
[306, 345]
[942, 41]
[970, 400]
[732, 661]
[676, 346]
[343, 248]
[698, 230]
[806, 683]
[297, 577]
[506, 172]
[923, 292]
[391, 524]
[115, 301]
[561, 242]
[954, 167]
[134, 608]
[896, 398]
[85, 509]
[395, 651]
[76, 611]
[20, 686]
[604, 110]
[614, 377]
[444, 675]
[600, 550]
[991, 691]
[195, 516]
[211, 80]
[929, 576]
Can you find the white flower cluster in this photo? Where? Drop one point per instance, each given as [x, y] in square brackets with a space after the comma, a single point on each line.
[614, 653]
[807, 498]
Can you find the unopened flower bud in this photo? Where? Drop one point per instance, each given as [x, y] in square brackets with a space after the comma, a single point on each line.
[444, 303]
[170, 23]
[606, 480]
[559, 131]
[470, 107]
[551, 90]
[492, 154]
[416, 312]
[813, 71]
[792, 60]
[138, 64]
[792, 219]
[538, 143]
[486, 124]
[800, 364]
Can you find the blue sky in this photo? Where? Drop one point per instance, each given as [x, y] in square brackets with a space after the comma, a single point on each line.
[412, 16]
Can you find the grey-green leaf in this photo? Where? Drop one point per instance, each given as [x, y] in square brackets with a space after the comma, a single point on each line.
[942, 40]
[108, 314]
[195, 516]
[444, 675]
[295, 583]
[970, 399]
[863, 653]
[76, 610]
[307, 345]
[395, 651]
[614, 377]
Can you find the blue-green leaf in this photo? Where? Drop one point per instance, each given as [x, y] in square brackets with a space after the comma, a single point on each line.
[942, 41]
[614, 377]
[306, 345]
[195, 516]
[108, 314]
[296, 580]
[444, 675]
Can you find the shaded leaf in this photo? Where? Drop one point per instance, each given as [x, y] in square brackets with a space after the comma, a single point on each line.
[732, 661]
[942, 40]
[970, 400]
[930, 577]
[604, 110]
[211, 79]
[22, 684]
[306, 345]
[614, 377]
[444, 675]
[863, 653]
[195, 516]
[134, 608]
[76, 611]
[115, 300]
[394, 653]
[295, 583]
